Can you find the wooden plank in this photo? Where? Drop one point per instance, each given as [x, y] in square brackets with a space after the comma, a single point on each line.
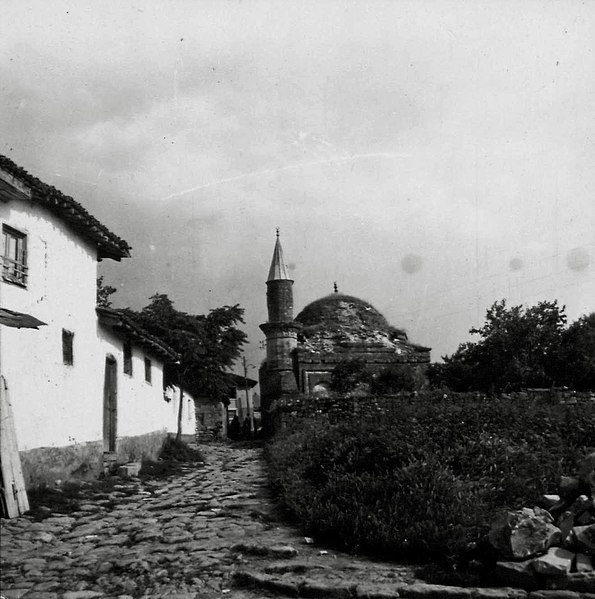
[13, 483]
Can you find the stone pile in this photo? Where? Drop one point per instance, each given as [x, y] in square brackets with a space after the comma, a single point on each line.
[552, 546]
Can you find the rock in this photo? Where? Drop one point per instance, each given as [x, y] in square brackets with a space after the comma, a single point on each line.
[130, 469]
[580, 505]
[583, 563]
[325, 590]
[503, 593]
[149, 534]
[548, 501]
[82, 595]
[565, 523]
[554, 595]
[569, 487]
[516, 574]
[524, 533]
[44, 537]
[584, 537]
[292, 566]
[282, 551]
[581, 582]
[586, 472]
[587, 517]
[14, 593]
[177, 536]
[556, 562]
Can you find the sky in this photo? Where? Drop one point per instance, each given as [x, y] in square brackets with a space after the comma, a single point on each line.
[431, 157]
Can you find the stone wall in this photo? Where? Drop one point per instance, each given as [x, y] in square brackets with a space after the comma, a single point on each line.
[285, 412]
[210, 416]
[46, 465]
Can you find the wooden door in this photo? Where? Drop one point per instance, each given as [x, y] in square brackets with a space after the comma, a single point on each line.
[14, 496]
[110, 404]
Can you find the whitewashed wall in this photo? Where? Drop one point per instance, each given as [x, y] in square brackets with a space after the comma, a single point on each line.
[54, 404]
[141, 406]
[188, 411]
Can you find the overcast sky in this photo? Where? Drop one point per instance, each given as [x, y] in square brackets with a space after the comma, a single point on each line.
[431, 157]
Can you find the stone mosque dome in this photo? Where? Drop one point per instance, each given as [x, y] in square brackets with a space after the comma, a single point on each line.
[302, 353]
[339, 319]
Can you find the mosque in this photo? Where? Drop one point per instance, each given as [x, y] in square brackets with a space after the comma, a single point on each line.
[302, 352]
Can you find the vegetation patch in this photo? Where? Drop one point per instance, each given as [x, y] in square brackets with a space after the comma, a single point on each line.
[173, 454]
[424, 479]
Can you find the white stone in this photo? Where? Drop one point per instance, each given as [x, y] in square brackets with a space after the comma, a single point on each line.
[556, 562]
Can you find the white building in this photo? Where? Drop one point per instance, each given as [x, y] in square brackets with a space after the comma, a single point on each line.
[80, 385]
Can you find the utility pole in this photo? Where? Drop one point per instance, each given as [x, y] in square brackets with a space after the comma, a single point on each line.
[249, 408]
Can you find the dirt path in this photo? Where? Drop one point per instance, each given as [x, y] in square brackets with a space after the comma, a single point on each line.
[211, 531]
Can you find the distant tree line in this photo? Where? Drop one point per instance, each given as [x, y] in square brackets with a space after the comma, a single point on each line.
[522, 347]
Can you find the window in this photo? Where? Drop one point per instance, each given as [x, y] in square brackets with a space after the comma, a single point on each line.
[14, 259]
[127, 358]
[147, 370]
[67, 347]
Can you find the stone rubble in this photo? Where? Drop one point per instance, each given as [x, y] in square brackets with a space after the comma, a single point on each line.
[551, 548]
[210, 532]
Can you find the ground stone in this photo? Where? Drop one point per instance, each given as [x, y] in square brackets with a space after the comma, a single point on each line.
[556, 562]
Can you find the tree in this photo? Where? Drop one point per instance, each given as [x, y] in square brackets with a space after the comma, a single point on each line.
[208, 345]
[518, 347]
[349, 374]
[394, 378]
[576, 358]
[103, 293]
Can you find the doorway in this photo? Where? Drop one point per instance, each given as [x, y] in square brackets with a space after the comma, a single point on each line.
[110, 404]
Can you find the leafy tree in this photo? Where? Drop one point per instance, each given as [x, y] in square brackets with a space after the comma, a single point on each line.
[393, 379]
[349, 374]
[208, 344]
[518, 347]
[576, 358]
[103, 293]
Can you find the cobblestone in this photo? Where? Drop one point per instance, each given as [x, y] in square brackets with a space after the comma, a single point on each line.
[212, 531]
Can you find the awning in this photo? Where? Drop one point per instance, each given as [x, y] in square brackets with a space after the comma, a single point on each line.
[19, 320]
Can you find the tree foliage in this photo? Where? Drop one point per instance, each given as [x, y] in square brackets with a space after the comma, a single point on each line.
[208, 344]
[576, 359]
[394, 378]
[518, 347]
[349, 374]
[103, 293]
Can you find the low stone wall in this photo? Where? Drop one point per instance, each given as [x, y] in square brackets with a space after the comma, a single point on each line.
[209, 417]
[46, 465]
[286, 411]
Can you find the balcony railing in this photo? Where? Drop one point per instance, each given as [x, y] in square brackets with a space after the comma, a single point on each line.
[14, 271]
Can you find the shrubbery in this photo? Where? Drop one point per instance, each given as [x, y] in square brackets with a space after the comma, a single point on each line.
[425, 479]
[176, 450]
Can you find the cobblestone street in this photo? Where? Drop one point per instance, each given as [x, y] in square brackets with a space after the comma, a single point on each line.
[181, 537]
[211, 531]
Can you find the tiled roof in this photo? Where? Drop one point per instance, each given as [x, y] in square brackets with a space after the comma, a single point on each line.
[124, 326]
[67, 209]
[239, 381]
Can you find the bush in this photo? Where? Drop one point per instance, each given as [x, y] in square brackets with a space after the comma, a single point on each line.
[178, 451]
[350, 374]
[393, 379]
[425, 479]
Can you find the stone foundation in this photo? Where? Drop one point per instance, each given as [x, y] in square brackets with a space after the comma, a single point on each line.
[84, 461]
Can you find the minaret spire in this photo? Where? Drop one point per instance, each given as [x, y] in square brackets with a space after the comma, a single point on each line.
[277, 376]
[278, 270]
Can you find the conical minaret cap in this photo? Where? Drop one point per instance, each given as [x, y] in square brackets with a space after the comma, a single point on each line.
[278, 270]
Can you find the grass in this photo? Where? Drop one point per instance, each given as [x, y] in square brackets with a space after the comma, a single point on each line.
[424, 480]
